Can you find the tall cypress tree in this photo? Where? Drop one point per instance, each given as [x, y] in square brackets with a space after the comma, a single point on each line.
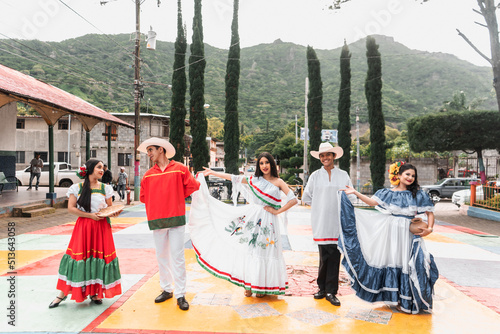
[231, 128]
[179, 87]
[344, 108]
[314, 105]
[198, 120]
[373, 93]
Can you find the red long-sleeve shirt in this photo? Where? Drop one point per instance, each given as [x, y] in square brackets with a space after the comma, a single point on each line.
[164, 194]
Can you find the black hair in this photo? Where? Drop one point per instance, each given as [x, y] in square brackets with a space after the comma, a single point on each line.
[269, 157]
[86, 194]
[414, 187]
[158, 147]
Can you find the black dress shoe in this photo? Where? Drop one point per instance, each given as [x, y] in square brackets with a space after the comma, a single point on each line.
[95, 301]
[56, 304]
[320, 294]
[332, 299]
[183, 304]
[163, 296]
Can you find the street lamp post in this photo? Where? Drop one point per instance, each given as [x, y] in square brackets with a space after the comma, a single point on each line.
[306, 134]
[137, 102]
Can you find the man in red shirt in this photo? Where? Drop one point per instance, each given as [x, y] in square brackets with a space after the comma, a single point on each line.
[164, 188]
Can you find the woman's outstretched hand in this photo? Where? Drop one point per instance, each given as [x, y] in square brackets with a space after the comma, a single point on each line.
[207, 171]
[348, 190]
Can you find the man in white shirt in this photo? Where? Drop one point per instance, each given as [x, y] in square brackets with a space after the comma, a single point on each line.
[321, 193]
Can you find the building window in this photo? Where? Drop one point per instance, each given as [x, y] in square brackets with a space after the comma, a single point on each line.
[20, 157]
[114, 134]
[21, 123]
[62, 157]
[93, 153]
[62, 124]
[124, 159]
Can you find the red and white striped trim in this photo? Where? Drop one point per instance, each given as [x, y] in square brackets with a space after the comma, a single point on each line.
[260, 191]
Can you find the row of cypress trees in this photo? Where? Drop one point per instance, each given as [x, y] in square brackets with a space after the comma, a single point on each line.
[198, 121]
[373, 93]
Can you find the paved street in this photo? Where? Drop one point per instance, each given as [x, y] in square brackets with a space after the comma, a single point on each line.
[467, 295]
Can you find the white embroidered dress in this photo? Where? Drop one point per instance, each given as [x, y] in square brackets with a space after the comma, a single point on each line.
[241, 244]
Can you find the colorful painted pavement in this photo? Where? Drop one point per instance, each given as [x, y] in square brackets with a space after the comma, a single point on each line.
[467, 293]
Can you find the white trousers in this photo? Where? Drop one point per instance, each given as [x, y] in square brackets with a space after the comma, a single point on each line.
[169, 244]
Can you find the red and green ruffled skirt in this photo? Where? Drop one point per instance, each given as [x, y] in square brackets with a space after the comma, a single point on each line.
[90, 265]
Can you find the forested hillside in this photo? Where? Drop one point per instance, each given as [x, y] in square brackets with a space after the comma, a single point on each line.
[99, 69]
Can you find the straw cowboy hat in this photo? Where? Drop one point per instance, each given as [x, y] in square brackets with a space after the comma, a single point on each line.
[327, 147]
[154, 141]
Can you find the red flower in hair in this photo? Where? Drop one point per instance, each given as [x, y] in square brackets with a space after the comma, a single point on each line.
[82, 172]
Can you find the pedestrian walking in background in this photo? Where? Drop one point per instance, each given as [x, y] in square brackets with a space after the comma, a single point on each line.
[89, 268]
[164, 189]
[121, 183]
[384, 252]
[242, 244]
[36, 165]
[322, 193]
[107, 177]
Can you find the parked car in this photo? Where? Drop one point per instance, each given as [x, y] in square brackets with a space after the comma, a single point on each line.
[446, 187]
[63, 175]
[463, 196]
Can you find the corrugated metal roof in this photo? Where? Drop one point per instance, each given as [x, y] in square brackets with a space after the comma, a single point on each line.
[26, 88]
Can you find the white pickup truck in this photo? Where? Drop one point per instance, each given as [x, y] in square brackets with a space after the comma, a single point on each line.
[64, 176]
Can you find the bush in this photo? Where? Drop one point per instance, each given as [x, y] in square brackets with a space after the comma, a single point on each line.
[285, 163]
[296, 161]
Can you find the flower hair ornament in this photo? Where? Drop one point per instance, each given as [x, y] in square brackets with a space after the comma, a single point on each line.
[394, 171]
[82, 172]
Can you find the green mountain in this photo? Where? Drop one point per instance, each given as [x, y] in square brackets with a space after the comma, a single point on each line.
[99, 68]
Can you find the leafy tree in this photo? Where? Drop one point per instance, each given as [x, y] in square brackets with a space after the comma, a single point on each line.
[215, 128]
[231, 125]
[373, 92]
[197, 62]
[470, 130]
[344, 130]
[314, 105]
[458, 103]
[179, 87]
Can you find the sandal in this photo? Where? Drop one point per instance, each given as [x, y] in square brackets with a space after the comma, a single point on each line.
[248, 293]
[95, 301]
[56, 304]
[260, 295]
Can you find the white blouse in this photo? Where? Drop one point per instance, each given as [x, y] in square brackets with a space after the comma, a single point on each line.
[98, 197]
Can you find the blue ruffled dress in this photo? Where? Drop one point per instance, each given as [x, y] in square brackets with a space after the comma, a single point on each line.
[385, 261]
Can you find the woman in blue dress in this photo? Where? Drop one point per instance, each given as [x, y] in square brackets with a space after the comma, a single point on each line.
[386, 261]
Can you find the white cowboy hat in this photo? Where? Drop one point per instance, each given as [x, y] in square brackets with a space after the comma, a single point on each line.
[154, 141]
[327, 147]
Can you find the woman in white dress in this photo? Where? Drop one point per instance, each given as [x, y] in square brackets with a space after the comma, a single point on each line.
[242, 244]
[384, 252]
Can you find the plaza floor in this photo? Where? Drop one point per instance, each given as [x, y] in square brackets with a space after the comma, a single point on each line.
[467, 295]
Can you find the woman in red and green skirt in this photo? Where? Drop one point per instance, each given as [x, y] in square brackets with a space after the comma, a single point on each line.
[89, 268]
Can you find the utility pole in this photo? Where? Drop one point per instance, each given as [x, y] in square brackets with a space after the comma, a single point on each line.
[306, 134]
[137, 101]
[296, 139]
[358, 154]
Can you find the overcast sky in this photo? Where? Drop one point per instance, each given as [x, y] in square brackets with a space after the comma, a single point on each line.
[430, 26]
